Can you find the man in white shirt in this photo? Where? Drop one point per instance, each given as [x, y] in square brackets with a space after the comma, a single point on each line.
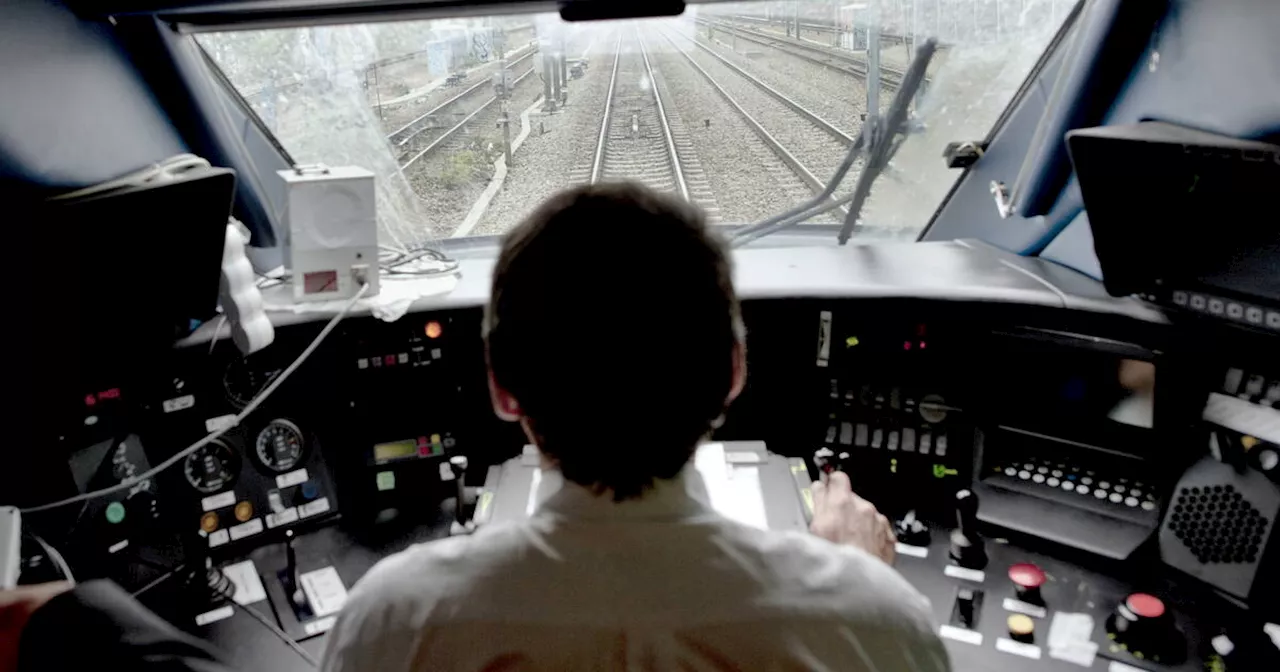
[615, 339]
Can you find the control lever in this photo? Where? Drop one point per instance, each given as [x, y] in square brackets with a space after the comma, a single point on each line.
[296, 595]
[462, 522]
[967, 547]
[824, 460]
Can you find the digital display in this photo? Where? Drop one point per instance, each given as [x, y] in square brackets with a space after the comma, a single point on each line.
[395, 450]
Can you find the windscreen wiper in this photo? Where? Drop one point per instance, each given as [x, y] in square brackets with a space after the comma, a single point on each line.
[884, 142]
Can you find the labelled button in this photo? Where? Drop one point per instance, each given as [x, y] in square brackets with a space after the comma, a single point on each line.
[1053, 482]
[860, 435]
[877, 438]
[831, 434]
[1116, 498]
[1130, 501]
[893, 441]
[909, 439]
[926, 443]
[1042, 470]
[1135, 492]
[1021, 628]
[1038, 478]
[1253, 315]
[404, 357]
[1057, 473]
[115, 513]
[1216, 307]
[1068, 485]
[1148, 505]
[1105, 485]
[940, 446]
[1024, 474]
[1100, 493]
[1010, 471]
[846, 433]
[1028, 466]
[244, 510]
[1082, 489]
[1120, 489]
[362, 363]
[1197, 301]
[1180, 298]
[1086, 481]
[1235, 311]
[209, 522]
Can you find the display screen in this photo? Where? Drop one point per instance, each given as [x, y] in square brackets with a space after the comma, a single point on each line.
[395, 450]
[1072, 393]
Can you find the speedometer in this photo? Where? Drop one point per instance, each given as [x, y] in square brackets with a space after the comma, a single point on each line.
[212, 468]
[280, 445]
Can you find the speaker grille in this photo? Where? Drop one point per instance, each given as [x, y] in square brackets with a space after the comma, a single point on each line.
[1217, 524]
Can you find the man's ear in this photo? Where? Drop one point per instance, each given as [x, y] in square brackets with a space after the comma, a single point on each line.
[505, 406]
[739, 371]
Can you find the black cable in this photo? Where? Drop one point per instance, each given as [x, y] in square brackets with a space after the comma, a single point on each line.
[158, 580]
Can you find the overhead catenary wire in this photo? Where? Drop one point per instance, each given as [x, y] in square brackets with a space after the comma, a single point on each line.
[212, 436]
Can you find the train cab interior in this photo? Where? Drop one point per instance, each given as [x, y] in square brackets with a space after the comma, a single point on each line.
[1003, 262]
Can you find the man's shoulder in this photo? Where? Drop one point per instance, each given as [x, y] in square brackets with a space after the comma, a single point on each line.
[434, 569]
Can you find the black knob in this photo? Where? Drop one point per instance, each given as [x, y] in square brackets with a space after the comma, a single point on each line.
[965, 606]
[967, 547]
[911, 530]
[824, 460]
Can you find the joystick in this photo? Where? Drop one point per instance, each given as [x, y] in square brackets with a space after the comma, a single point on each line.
[967, 547]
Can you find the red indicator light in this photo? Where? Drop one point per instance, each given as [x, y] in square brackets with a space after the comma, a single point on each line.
[433, 329]
[113, 393]
[906, 345]
[90, 400]
[424, 450]
[389, 360]
[923, 345]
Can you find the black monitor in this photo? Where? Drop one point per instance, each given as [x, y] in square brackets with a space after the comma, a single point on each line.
[1185, 217]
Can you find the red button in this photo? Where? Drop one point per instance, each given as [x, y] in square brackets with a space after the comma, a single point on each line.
[1144, 605]
[1026, 575]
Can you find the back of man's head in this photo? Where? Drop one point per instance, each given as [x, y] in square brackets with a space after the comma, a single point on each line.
[614, 325]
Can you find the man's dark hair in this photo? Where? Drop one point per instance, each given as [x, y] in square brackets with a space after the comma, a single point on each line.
[612, 321]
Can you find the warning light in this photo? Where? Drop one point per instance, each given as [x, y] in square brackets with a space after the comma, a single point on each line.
[851, 341]
[90, 400]
[906, 345]
[113, 393]
[433, 329]
[923, 345]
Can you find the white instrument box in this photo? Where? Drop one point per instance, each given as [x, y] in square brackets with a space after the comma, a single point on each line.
[331, 220]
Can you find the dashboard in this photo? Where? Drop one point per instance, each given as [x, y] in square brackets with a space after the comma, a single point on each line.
[1074, 418]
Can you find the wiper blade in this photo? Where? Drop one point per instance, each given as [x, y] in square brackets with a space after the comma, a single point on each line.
[884, 142]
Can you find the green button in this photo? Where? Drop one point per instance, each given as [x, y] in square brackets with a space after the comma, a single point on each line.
[386, 480]
[115, 512]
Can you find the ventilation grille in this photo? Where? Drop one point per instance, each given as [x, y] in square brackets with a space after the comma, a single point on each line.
[1217, 524]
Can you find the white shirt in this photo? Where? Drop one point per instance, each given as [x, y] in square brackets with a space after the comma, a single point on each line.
[658, 583]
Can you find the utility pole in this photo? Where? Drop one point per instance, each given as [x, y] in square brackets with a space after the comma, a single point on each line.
[506, 114]
[873, 70]
[547, 78]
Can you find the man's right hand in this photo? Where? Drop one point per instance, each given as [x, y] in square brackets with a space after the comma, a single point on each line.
[841, 516]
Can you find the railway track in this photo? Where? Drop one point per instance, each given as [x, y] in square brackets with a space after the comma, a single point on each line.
[426, 133]
[890, 77]
[640, 137]
[811, 156]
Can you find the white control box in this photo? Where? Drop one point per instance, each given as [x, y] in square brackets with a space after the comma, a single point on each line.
[331, 219]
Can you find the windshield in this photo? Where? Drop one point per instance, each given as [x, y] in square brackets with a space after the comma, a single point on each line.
[746, 109]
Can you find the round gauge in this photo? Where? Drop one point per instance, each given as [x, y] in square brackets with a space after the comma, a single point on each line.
[212, 468]
[280, 445]
[242, 381]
